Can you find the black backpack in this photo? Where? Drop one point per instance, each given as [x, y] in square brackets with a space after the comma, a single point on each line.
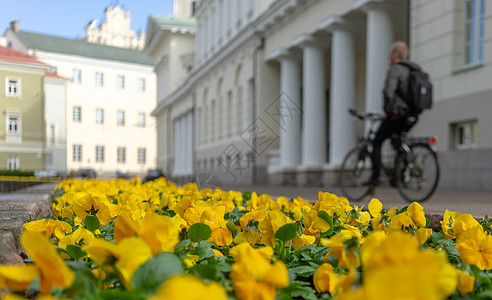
[419, 95]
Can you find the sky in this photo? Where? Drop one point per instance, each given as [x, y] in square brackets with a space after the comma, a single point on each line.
[68, 18]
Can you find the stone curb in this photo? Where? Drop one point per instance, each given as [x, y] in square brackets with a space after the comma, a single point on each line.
[30, 203]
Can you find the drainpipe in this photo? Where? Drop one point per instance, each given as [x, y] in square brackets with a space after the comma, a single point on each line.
[254, 104]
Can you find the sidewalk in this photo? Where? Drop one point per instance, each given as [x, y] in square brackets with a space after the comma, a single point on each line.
[476, 203]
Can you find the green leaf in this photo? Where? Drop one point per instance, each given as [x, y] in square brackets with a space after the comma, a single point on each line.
[83, 287]
[75, 252]
[304, 271]
[199, 232]
[247, 196]
[205, 271]
[114, 294]
[92, 223]
[153, 272]
[232, 228]
[287, 232]
[325, 216]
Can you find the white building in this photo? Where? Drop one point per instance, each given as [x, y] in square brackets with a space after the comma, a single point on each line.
[108, 123]
[115, 30]
[272, 82]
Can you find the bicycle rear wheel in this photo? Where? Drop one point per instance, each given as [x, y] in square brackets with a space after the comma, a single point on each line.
[417, 179]
[356, 168]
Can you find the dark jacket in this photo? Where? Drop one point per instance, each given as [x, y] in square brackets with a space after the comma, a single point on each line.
[396, 91]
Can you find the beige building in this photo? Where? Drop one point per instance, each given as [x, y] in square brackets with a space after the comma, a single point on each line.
[272, 81]
[22, 103]
[115, 30]
[108, 102]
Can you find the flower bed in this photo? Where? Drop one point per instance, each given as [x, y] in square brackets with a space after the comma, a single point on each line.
[127, 240]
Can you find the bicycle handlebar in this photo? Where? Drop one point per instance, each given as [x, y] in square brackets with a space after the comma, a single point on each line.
[363, 116]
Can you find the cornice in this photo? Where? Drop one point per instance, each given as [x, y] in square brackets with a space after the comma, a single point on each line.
[202, 6]
[277, 11]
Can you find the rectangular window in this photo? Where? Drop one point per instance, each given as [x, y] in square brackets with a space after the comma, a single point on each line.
[14, 123]
[121, 154]
[141, 120]
[141, 155]
[76, 76]
[120, 81]
[99, 153]
[474, 31]
[121, 118]
[141, 84]
[99, 116]
[99, 79]
[77, 114]
[77, 152]
[13, 163]
[13, 87]
[465, 135]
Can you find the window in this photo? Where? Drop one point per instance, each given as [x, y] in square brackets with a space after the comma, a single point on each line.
[99, 153]
[13, 87]
[76, 76]
[141, 120]
[14, 125]
[99, 79]
[77, 152]
[13, 163]
[120, 81]
[121, 154]
[465, 135]
[141, 155]
[141, 84]
[474, 31]
[77, 114]
[99, 116]
[121, 118]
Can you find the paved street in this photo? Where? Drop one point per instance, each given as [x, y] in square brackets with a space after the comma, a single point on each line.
[477, 203]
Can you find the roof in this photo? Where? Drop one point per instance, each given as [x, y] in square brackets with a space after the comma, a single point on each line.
[83, 48]
[172, 21]
[12, 55]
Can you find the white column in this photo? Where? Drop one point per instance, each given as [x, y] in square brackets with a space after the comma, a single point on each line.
[189, 146]
[342, 89]
[314, 102]
[379, 40]
[176, 147]
[290, 112]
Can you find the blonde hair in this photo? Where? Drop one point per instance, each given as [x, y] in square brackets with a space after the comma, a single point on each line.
[400, 48]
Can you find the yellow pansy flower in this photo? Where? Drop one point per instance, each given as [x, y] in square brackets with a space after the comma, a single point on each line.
[133, 252]
[475, 248]
[325, 279]
[17, 278]
[49, 227]
[189, 287]
[466, 283]
[89, 205]
[347, 257]
[79, 236]
[53, 270]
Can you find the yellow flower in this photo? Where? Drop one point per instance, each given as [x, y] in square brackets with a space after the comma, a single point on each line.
[273, 220]
[395, 265]
[325, 279]
[463, 223]
[416, 212]
[303, 240]
[466, 283]
[89, 205]
[346, 256]
[133, 252]
[17, 278]
[447, 223]
[101, 251]
[375, 208]
[423, 234]
[79, 236]
[475, 248]
[256, 280]
[189, 287]
[49, 227]
[54, 272]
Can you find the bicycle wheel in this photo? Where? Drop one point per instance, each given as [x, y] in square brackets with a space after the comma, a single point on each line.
[356, 168]
[417, 179]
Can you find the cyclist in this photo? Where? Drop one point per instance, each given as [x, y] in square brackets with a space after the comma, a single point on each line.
[398, 117]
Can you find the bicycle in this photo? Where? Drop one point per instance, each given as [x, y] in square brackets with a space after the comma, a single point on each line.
[415, 169]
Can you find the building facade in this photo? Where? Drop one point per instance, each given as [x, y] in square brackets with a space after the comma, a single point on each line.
[22, 103]
[108, 101]
[115, 30]
[273, 80]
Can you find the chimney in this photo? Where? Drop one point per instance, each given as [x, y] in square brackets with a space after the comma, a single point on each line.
[14, 25]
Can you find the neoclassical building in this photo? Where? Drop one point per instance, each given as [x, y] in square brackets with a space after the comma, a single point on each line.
[267, 97]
